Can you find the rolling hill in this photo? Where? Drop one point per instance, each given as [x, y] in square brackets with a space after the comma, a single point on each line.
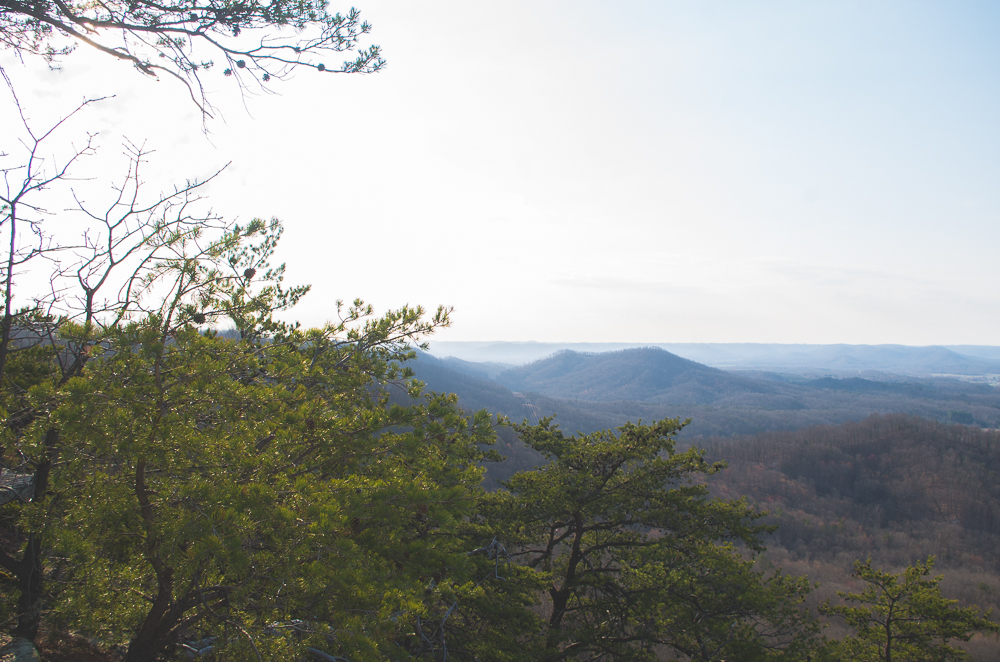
[592, 392]
[647, 374]
[816, 360]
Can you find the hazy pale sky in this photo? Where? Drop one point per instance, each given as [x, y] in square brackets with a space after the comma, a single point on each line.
[699, 171]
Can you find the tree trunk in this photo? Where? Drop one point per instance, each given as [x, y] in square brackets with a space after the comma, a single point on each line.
[29, 571]
[560, 597]
[166, 618]
[29, 582]
[146, 648]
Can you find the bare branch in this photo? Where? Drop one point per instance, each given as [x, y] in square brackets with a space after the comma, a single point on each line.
[258, 42]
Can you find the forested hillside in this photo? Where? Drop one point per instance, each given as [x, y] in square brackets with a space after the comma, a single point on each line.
[841, 488]
[645, 374]
[896, 488]
[475, 390]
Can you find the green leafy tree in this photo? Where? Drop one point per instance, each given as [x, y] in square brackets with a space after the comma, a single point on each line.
[264, 491]
[637, 556]
[114, 254]
[903, 618]
[246, 499]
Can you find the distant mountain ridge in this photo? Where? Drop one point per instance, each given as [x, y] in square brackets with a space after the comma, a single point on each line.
[646, 374]
[474, 387]
[900, 359]
[596, 391]
[817, 360]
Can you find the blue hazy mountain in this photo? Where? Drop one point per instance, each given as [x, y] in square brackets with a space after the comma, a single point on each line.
[473, 386]
[595, 391]
[646, 374]
[816, 360]
[989, 352]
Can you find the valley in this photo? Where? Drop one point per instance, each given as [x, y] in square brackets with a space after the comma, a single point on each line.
[888, 466]
[593, 391]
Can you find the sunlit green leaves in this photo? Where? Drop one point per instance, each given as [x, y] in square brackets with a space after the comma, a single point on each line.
[637, 556]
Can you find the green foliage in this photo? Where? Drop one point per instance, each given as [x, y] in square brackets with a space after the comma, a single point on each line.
[903, 617]
[264, 489]
[637, 556]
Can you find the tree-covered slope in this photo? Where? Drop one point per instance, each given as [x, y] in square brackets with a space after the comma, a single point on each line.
[475, 390]
[896, 486]
[892, 488]
[644, 374]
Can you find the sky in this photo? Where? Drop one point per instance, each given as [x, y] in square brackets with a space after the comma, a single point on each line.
[711, 171]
